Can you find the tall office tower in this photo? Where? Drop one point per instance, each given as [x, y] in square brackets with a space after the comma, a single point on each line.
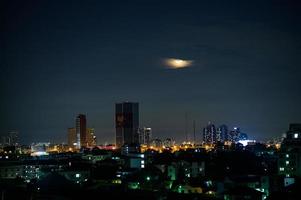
[127, 123]
[13, 137]
[209, 134]
[72, 141]
[145, 135]
[234, 135]
[91, 138]
[81, 136]
[222, 133]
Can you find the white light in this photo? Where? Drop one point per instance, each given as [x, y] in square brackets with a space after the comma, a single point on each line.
[39, 153]
[287, 162]
[281, 169]
[77, 175]
[296, 135]
[142, 161]
[142, 166]
[245, 142]
[287, 155]
[142, 155]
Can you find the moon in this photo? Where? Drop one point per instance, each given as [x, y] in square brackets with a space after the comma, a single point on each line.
[174, 63]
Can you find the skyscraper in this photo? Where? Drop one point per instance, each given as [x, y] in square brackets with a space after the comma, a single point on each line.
[209, 133]
[222, 132]
[91, 138]
[289, 161]
[234, 135]
[145, 135]
[72, 139]
[127, 123]
[81, 135]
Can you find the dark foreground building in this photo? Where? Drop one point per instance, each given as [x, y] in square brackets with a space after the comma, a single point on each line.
[127, 123]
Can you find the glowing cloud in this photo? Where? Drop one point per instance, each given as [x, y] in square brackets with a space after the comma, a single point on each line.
[174, 63]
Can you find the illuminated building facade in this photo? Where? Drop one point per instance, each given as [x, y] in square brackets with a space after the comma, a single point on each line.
[127, 123]
[145, 135]
[91, 138]
[289, 163]
[168, 142]
[81, 135]
[72, 137]
[209, 134]
[222, 133]
[234, 135]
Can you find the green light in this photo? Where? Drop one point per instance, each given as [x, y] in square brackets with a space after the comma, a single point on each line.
[180, 189]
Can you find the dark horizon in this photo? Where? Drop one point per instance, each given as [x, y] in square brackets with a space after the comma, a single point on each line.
[59, 59]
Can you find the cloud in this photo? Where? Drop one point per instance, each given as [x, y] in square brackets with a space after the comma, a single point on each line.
[175, 63]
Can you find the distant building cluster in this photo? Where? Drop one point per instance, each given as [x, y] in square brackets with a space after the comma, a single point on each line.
[11, 139]
[162, 168]
[213, 134]
[81, 136]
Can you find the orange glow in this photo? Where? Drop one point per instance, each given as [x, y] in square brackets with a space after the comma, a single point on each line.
[174, 63]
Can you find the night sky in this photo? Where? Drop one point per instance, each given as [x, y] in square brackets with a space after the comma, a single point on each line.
[61, 58]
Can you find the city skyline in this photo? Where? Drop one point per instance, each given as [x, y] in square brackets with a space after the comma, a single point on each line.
[234, 63]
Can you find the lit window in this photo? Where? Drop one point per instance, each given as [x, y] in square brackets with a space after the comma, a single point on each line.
[296, 135]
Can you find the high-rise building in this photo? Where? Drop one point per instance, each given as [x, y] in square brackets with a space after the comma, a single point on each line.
[289, 161]
[91, 138]
[234, 135]
[222, 133]
[145, 135]
[81, 135]
[127, 123]
[209, 134]
[72, 139]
